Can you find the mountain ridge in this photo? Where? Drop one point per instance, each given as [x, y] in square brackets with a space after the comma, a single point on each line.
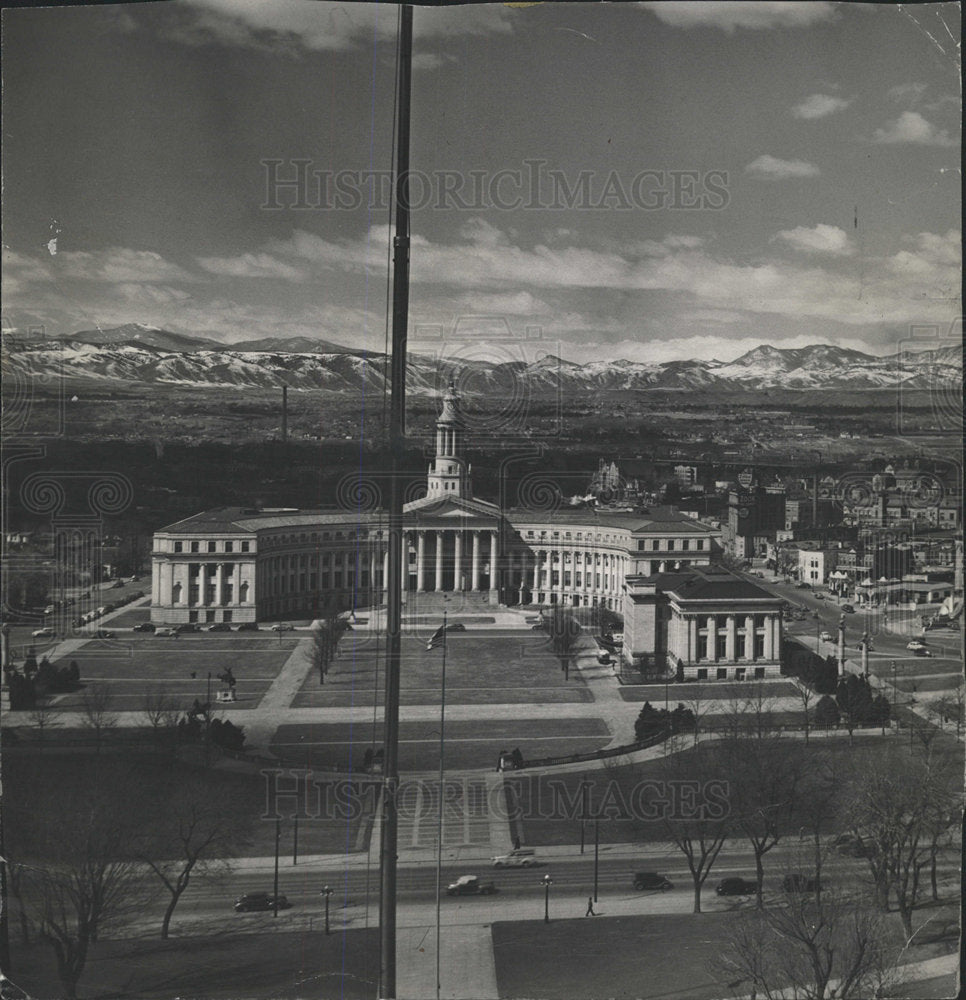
[137, 353]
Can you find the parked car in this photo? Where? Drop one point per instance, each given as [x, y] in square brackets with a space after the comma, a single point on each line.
[802, 585]
[218, 627]
[915, 644]
[117, 584]
[166, 632]
[282, 627]
[103, 633]
[603, 657]
[848, 609]
[470, 885]
[188, 627]
[651, 880]
[520, 857]
[248, 627]
[736, 887]
[259, 901]
[800, 883]
[923, 652]
[102, 610]
[42, 633]
[144, 627]
[456, 627]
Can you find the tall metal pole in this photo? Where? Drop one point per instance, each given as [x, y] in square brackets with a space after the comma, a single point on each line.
[596, 854]
[439, 818]
[397, 427]
[278, 838]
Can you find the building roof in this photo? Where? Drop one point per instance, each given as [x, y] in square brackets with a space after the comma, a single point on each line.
[708, 583]
[250, 519]
[657, 519]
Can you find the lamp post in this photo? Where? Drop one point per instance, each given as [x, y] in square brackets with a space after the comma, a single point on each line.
[547, 882]
[326, 892]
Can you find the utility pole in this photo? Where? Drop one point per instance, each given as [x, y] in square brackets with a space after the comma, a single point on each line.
[278, 838]
[397, 426]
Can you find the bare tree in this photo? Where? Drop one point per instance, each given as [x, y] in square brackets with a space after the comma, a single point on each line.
[808, 948]
[87, 878]
[160, 710]
[764, 777]
[805, 696]
[697, 825]
[98, 716]
[906, 807]
[197, 832]
[44, 716]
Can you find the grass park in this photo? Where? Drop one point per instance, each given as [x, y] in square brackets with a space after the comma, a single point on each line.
[500, 670]
[666, 956]
[135, 666]
[231, 966]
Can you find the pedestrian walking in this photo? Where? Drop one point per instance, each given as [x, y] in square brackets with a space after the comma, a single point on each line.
[590, 907]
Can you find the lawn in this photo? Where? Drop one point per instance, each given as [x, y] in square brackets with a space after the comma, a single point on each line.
[663, 956]
[32, 778]
[712, 691]
[922, 685]
[480, 670]
[467, 744]
[134, 666]
[540, 800]
[231, 967]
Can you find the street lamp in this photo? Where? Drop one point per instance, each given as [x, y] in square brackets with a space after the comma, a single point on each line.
[326, 892]
[547, 882]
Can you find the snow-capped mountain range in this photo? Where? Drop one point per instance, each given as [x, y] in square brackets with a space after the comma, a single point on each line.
[135, 353]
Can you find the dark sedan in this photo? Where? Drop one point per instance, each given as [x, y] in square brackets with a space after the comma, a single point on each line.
[736, 887]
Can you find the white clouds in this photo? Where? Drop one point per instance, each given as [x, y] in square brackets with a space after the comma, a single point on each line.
[302, 24]
[819, 106]
[906, 93]
[770, 168]
[911, 128]
[250, 265]
[821, 239]
[753, 14]
[117, 264]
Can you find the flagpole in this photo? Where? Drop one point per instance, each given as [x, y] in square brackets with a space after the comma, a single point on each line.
[439, 819]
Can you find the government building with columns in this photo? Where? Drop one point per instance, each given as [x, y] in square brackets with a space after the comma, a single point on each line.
[237, 564]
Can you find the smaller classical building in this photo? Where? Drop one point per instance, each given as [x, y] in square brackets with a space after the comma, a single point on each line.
[703, 623]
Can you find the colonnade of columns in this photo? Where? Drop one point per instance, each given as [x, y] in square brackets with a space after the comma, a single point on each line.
[445, 562]
[600, 574]
[733, 652]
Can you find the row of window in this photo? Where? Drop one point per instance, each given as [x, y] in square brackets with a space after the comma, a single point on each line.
[228, 545]
[658, 544]
[744, 650]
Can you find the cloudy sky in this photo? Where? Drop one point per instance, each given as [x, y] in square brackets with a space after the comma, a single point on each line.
[650, 181]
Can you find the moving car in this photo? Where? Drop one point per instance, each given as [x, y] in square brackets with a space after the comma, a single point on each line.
[145, 627]
[470, 885]
[520, 857]
[801, 883]
[651, 880]
[923, 652]
[42, 633]
[259, 901]
[164, 632]
[736, 887]
[826, 637]
[282, 627]
[103, 633]
[848, 609]
[915, 645]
